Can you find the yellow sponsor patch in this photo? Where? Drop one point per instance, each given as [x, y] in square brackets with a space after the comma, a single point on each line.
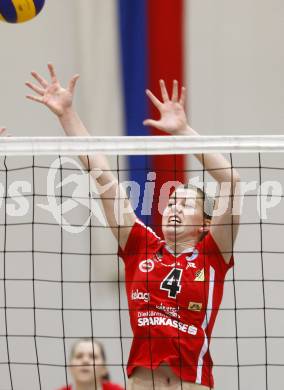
[199, 275]
[194, 306]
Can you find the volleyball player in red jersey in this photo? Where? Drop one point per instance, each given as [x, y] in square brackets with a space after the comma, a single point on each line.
[175, 285]
[83, 355]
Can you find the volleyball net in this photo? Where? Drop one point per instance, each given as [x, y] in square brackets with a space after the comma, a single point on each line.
[61, 279]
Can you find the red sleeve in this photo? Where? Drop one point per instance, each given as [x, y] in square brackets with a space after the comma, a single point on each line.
[214, 255]
[142, 241]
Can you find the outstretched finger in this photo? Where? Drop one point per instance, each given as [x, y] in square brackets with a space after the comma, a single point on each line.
[2, 129]
[182, 96]
[153, 99]
[52, 73]
[175, 91]
[72, 83]
[152, 123]
[35, 88]
[164, 91]
[40, 79]
[35, 98]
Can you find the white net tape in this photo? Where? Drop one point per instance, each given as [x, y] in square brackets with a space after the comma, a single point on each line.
[140, 145]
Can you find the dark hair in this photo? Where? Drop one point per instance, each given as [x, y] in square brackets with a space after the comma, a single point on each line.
[106, 377]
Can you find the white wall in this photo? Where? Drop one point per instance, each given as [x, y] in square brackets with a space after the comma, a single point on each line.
[235, 66]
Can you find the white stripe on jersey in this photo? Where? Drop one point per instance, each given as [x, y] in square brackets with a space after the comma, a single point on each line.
[205, 323]
[148, 228]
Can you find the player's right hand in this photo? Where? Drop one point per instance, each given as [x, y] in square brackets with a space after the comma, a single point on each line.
[58, 99]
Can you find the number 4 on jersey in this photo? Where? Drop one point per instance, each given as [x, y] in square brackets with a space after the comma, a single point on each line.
[171, 283]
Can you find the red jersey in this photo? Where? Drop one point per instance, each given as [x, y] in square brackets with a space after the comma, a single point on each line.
[173, 303]
[106, 386]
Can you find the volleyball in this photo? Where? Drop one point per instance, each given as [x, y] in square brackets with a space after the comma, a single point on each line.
[18, 11]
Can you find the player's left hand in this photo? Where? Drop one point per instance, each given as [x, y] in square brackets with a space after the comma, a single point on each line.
[173, 118]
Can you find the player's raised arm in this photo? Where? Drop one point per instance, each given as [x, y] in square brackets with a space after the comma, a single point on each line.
[59, 100]
[224, 227]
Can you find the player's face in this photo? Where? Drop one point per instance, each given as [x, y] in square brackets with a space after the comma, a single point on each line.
[183, 217]
[82, 363]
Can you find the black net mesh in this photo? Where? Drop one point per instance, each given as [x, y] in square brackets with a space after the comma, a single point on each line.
[61, 279]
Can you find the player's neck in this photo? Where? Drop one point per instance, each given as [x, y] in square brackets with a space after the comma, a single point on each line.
[181, 246]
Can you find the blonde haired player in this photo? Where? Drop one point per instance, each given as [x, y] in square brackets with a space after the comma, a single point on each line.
[174, 286]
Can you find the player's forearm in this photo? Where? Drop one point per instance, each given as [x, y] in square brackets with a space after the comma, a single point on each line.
[215, 163]
[98, 164]
[114, 198]
[72, 124]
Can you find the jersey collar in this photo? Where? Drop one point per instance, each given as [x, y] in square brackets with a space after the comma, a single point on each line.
[187, 250]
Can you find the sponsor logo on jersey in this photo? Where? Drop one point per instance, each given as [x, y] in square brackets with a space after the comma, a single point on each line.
[190, 265]
[169, 310]
[146, 265]
[194, 306]
[190, 259]
[163, 321]
[199, 275]
[137, 295]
